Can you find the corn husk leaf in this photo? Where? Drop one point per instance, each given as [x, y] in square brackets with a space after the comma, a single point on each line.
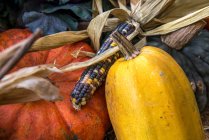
[111, 24]
[94, 60]
[114, 3]
[98, 58]
[155, 9]
[8, 53]
[122, 5]
[79, 52]
[133, 4]
[181, 8]
[179, 23]
[58, 39]
[29, 89]
[159, 12]
[27, 85]
[97, 24]
[150, 9]
[177, 10]
[98, 4]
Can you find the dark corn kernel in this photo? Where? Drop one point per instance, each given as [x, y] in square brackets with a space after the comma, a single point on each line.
[94, 75]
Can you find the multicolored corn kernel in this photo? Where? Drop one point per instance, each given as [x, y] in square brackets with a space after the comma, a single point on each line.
[94, 75]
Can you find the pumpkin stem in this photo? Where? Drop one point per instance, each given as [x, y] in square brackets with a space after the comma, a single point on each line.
[126, 47]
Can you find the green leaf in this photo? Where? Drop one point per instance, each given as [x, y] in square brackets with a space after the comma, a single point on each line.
[49, 23]
[81, 10]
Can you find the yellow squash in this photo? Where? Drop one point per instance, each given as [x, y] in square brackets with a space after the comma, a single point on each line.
[150, 98]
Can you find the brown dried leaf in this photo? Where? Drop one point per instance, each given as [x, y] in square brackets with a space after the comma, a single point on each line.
[122, 5]
[58, 39]
[97, 24]
[180, 23]
[8, 53]
[98, 4]
[40, 70]
[94, 60]
[181, 37]
[29, 89]
[149, 10]
[79, 52]
[114, 3]
[98, 58]
[133, 4]
[26, 85]
[111, 24]
[181, 8]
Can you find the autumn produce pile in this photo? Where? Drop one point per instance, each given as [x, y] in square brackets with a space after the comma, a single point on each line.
[104, 69]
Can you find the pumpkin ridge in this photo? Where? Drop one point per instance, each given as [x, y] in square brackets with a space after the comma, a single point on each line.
[16, 118]
[72, 134]
[14, 121]
[64, 121]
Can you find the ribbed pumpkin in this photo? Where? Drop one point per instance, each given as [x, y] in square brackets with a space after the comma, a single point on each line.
[150, 98]
[42, 120]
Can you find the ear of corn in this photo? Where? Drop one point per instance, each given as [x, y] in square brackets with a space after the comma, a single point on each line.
[94, 75]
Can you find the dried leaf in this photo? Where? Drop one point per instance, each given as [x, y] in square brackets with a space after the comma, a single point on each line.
[8, 53]
[179, 23]
[98, 58]
[40, 70]
[58, 39]
[122, 5]
[29, 89]
[149, 10]
[111, 24]
[114, 3]
[181, 8]
[99, 5]
[79, 52]
[94, 9]
[20, 49]
[178, 39]
[133, 4]
[94, 60]
[27, 85]
[97, 24]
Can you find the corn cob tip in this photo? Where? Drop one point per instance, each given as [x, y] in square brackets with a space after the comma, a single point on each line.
[94, 75]
[75, 106]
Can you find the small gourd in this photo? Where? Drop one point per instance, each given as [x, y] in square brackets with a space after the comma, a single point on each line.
[150, 98]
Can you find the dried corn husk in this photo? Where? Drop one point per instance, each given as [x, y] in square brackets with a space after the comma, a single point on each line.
[58, 39]
[97, 24]
[172, 12]
[28, 84]
[8, 53]
[161, 9]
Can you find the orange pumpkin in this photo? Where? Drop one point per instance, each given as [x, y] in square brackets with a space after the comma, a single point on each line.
[43, 120]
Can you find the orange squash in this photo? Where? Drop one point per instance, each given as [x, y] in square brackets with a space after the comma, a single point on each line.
[43, 120]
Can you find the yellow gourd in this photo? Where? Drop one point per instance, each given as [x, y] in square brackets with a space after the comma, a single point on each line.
[150, 98]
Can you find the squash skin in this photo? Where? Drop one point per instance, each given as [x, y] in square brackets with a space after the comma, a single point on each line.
[150, 98]
[196, 71]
